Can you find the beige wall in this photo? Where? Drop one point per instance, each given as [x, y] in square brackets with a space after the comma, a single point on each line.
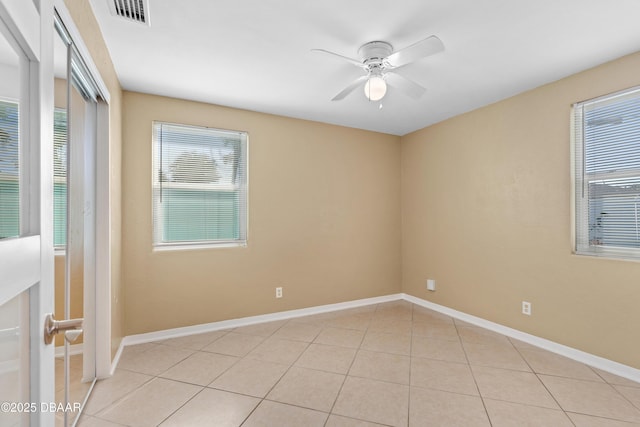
[486, 212]
[83, 17]
[324, 220]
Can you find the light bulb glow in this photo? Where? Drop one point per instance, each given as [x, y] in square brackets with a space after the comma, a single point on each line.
[375, 88]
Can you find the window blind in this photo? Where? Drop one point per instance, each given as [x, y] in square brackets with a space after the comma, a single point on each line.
[60, 177]
[607, 147]
[199, 185]
[9, 170]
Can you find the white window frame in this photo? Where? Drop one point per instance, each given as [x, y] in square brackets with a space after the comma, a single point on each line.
[582, 245]
[242, 187]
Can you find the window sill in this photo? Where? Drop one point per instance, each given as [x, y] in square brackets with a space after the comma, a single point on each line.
[611, 254]
[197, 246]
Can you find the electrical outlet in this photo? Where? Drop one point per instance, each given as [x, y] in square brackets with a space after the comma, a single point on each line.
[278, 292]
[526, 308]
[431, 285]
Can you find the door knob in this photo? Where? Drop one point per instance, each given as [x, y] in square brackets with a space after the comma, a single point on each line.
[53, 327]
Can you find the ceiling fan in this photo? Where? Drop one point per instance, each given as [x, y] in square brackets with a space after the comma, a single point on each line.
[379, 60]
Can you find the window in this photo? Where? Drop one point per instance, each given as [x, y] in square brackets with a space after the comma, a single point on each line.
[607, 148]
[199, 186]
[9, 166]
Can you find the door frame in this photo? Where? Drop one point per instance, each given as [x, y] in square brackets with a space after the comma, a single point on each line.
[98, 299]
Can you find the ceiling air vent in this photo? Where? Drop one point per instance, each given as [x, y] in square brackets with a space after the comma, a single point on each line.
[131, 10]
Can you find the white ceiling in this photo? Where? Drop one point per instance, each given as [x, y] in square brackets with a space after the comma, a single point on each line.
[255, 54]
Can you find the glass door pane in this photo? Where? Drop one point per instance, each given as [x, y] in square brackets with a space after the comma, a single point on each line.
[9, 141]
[14, 314]
[14, 356]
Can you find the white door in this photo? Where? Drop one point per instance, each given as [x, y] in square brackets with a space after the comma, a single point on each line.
[26, 213]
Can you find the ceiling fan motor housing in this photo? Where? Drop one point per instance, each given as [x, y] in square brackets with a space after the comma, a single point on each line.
[374, 53]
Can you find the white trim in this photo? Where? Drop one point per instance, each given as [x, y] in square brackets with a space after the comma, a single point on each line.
[209, 244]
[103, 244]
[89, 256]
[598, 362]
[610, 253]
[252, 320]
[41, 296]
[19, 17]
[71, 28]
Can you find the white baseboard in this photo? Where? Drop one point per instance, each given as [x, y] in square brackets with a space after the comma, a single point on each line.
[252, 320]
[73, 350]
[598, 362]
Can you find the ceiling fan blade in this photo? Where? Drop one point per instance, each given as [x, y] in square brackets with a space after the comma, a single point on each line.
[345, 58]
[347, 90]
[409, 87]
[419, 50]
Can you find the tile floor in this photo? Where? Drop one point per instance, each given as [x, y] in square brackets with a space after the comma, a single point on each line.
[391, 364]
[77, 389]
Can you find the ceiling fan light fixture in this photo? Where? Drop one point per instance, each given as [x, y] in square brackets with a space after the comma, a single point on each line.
[378, 60]
[375, 88]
